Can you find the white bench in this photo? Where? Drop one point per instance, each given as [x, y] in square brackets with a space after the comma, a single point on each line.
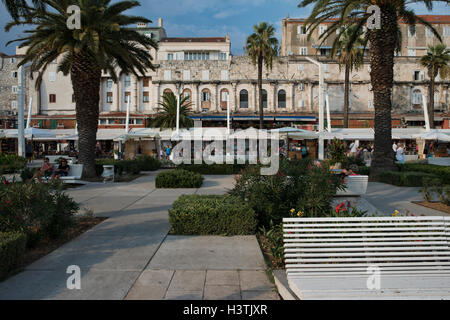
[53, 159]
[75, 173]
[328, 258]
[356, 186]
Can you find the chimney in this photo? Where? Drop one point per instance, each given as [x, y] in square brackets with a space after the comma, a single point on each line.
[160, 22]
[227, 38]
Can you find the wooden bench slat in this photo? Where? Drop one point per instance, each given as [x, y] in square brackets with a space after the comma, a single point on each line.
[371, 259]
[344, 224]
[364, 249]
[371, 254]
[415, 243]
[431, 233]
[396, 229]
[368, 240]
[365, 219]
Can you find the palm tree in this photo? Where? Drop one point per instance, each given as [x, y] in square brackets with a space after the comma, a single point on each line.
[383, 43]
[20, 8]
[103, 44]
[351, 57]
[167, 114]
[262, 47]
[436, 61]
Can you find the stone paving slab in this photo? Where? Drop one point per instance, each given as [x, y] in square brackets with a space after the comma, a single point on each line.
[126, 256]
[209, 253]
[388, 198]
[151, 285]
[203, 285]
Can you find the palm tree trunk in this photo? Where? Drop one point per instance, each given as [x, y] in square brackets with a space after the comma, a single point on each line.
[382, 47]
[431, 94]
[346, 93]
[260, 98]
[85, 77]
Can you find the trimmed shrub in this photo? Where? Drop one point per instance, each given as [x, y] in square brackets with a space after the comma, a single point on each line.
[148, 163]
[211, 215]
[441, 171]
[12, 248]
[143, 163]
[179, 178]
[364, 171]
[405, 178]
[213, 168]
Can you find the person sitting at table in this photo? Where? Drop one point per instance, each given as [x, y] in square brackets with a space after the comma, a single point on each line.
[62, 170]
[46, 170]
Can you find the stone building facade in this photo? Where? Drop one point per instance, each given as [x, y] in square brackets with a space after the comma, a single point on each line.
[415, 39]
[205, 70]
[9, 91]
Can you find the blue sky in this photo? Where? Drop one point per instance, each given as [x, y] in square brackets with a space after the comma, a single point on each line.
[197, 18]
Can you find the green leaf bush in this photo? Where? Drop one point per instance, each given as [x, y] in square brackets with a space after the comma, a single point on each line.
[179, 178]
[39, 210]
[10, 163]
[12, 248]
[298, 184]
[211, 215]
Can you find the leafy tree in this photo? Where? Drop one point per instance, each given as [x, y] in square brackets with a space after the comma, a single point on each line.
[103, 44]
[262, 48]
[436, 61]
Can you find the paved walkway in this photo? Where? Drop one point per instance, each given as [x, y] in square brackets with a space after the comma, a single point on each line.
[130, 255]
[387, 198]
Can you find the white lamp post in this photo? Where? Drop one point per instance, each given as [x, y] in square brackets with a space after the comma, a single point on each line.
[20, 126]
[228, 113]
[425, 113]
[127, 123]
[30, 106]
[328, 113]
[321, 103]
[178, 109]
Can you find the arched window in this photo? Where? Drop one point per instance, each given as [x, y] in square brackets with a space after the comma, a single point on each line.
[281, 99]
[264, 98]
[206, 99]
[167, 91]
[187, 93]
[206, 95]
[223, 98]
[243, 99]
[416, 97]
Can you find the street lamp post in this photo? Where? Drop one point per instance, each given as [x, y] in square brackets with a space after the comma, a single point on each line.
[321, 105]
[21, 120]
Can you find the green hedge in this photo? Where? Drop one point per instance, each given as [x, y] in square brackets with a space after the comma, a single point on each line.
[405, 178]
[213, 168]
[212, 215]
[179, 178]
[143, 163]
[12, 248]
[441, 171]
[364, 171]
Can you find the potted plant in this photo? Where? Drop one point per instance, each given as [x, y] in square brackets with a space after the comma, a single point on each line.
[337, 153]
